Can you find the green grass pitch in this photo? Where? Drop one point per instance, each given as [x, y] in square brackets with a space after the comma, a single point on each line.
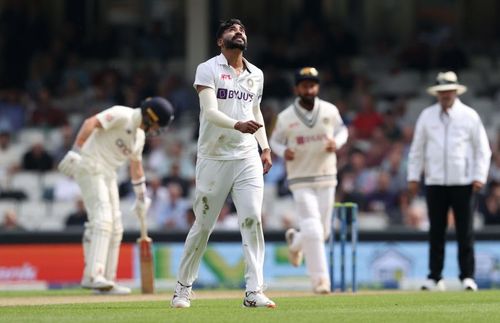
[482, 306]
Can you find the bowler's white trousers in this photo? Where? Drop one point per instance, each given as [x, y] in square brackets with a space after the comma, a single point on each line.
[215, 179]
[314, 207]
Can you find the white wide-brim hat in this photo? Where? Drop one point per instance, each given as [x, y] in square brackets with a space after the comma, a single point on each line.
[447, 81]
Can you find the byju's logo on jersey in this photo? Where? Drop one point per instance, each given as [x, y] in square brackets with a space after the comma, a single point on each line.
[224, 94]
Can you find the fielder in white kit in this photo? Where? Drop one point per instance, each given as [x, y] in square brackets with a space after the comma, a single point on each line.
[104, 142]
[231, 125]
[307, 134]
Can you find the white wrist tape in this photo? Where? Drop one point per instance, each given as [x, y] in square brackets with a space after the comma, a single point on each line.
[139, 186]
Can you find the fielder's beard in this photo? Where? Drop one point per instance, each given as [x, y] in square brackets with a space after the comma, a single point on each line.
[307, 100]
[232, 44]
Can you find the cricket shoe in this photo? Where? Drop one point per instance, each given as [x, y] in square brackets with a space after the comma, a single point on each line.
[182, 296]
[115, 290]
[98, 282]
[294, 257]
[257, 299]
[432, 285]
[469, 284]
[322, 287]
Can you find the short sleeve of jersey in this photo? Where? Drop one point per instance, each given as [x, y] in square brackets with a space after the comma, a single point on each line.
[112, 117]
[204, 76]
[139, 146]
[261, 89]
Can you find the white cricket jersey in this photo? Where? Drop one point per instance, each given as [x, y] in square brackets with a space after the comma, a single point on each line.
[236, 96]
[119, 139]
[307, 133]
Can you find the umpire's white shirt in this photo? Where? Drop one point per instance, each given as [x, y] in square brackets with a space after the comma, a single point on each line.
[450, 149]
[119, 139]
[236, 96]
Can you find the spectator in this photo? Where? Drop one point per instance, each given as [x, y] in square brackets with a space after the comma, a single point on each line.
[10, 222]
[489, 206]
[174, 176]
[45, 114]
[12, 109]
[384, 200]
[174, 211]
[390, 127]
[78, 217]
[367, 119]
[159, 196]
[494, 174]
[11, 156]
[37, 158]
[66, 142]
[414, 212]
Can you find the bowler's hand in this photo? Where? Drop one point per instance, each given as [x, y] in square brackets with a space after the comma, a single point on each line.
[247, 126]
[266, 160]
[289, 154]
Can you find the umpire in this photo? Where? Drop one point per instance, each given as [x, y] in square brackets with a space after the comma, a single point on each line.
[451, 147]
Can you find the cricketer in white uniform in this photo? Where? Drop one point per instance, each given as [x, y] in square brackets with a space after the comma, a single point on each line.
[230, 90]
[104, 143]
[307, 134]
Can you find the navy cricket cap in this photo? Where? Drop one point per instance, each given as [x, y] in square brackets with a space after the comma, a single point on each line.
[306, 73]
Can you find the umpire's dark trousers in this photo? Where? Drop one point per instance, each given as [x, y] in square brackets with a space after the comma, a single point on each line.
[439, 200]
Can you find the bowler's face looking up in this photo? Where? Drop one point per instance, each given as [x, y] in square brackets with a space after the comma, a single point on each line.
[234, 37]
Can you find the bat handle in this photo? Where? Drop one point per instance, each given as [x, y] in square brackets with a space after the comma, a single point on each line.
[144, 228]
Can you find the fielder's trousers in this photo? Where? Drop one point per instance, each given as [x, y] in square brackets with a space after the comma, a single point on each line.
[439, 201]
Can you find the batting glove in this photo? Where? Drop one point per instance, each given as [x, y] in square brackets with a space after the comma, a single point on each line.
[70, 163]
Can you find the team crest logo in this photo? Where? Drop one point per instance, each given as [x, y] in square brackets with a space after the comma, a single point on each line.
[250, 83]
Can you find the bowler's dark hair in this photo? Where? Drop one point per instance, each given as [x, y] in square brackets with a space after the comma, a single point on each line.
[224, 25]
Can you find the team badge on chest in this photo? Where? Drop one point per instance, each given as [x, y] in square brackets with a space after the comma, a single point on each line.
[250, 83]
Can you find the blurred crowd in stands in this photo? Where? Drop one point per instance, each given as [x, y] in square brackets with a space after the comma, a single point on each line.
[51, 81]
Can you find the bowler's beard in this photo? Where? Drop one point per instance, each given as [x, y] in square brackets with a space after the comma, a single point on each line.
[232, 44]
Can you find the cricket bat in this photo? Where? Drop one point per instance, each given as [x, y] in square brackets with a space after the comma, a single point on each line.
[146, 259]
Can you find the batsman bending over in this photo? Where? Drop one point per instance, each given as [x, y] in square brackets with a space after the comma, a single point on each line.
[104, 143]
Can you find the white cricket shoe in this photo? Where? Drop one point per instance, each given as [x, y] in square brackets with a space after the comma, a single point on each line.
[294, 257]
[257, 299]
[469, 284]
[115, 290]
[182, 296]
[98, 282]
[432, 285]
[322, 287]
